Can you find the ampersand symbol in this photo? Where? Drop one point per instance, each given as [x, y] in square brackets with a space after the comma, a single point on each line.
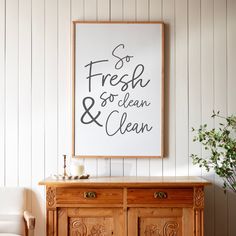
[87, 112]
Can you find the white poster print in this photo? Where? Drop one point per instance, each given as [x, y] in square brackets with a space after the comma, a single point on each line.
[118, 89]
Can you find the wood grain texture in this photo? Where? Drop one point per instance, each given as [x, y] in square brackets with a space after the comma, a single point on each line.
[125, 210]
[77, 196]
[151, 221]
[107, 221]
[173, 196]
[128, 181]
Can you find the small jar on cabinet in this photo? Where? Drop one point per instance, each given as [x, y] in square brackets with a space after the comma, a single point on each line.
[76, 167]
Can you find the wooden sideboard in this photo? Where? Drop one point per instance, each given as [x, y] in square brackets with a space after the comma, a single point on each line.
[125, 206]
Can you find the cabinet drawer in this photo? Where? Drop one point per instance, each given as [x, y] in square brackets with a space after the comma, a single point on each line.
[89, 196]
[160, 196]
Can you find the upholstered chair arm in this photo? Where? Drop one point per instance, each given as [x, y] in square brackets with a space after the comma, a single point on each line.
[30, 223]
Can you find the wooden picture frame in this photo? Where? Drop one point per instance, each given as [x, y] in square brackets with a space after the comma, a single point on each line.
[118, 89]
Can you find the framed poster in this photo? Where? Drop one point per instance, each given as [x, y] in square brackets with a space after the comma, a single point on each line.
[118, 89]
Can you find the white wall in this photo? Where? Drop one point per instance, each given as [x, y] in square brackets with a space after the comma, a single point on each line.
[35, 90]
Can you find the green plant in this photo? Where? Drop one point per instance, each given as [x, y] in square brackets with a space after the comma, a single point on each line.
[220, 144]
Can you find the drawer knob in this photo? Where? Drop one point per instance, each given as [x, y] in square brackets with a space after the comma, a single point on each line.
[160, 195]
[90, 195]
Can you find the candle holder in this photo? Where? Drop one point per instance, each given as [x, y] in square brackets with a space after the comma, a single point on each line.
[65, 176]
[65, 172]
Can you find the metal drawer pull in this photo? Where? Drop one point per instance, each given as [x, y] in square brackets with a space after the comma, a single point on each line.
[160, 195]
[90, 195]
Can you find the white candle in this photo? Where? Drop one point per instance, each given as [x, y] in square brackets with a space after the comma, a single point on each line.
[76, 168]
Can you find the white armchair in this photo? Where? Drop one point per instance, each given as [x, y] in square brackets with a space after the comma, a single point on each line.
[14, 220]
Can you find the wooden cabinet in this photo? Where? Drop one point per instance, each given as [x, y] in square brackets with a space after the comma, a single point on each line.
[125, 206]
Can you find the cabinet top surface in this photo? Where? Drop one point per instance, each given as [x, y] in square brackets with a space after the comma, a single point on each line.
[178, 181]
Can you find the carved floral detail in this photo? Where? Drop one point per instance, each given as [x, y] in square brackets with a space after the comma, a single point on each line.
[170, 228]
[51, 195]
[78, 228]
[152, 230]
[97, 230]
[198, 197]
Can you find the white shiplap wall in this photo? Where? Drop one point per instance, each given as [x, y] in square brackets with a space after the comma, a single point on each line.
[35, 91]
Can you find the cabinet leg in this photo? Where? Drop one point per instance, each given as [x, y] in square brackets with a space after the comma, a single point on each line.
[51, 223]
[198, 222]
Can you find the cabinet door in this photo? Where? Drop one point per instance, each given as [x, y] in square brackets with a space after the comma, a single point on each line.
[91, 222]
[160, 222]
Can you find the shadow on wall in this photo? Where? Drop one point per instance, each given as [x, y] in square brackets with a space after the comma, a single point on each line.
[167, 78]
[220, 208]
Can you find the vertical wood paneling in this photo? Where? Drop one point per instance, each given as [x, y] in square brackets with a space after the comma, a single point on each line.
[64, 82]
[90, 13]
[129, 10]
[77, 13]
[220, 79]
[117, 166]
[142, 7]
[156, 14]
[194, 79]
[90, 10]
[103, 14]
[12, 106]
[142, 14]
[231, 56]
[156, 10]
[181, 61]
[130, 164]
[35, 95]
[170, 93]
[116, 10]
[38, 112]
[2, 92]
[51, 85]
[207, 90]
[103, 10]
[220, 93]
[25, 96]
[231, 85]
[77, 10]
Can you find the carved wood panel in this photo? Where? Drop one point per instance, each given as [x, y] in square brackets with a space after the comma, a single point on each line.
[199, 197]
[159, 222]
[120, 217]
[51, 197]
[89, 226]
[156, 226]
